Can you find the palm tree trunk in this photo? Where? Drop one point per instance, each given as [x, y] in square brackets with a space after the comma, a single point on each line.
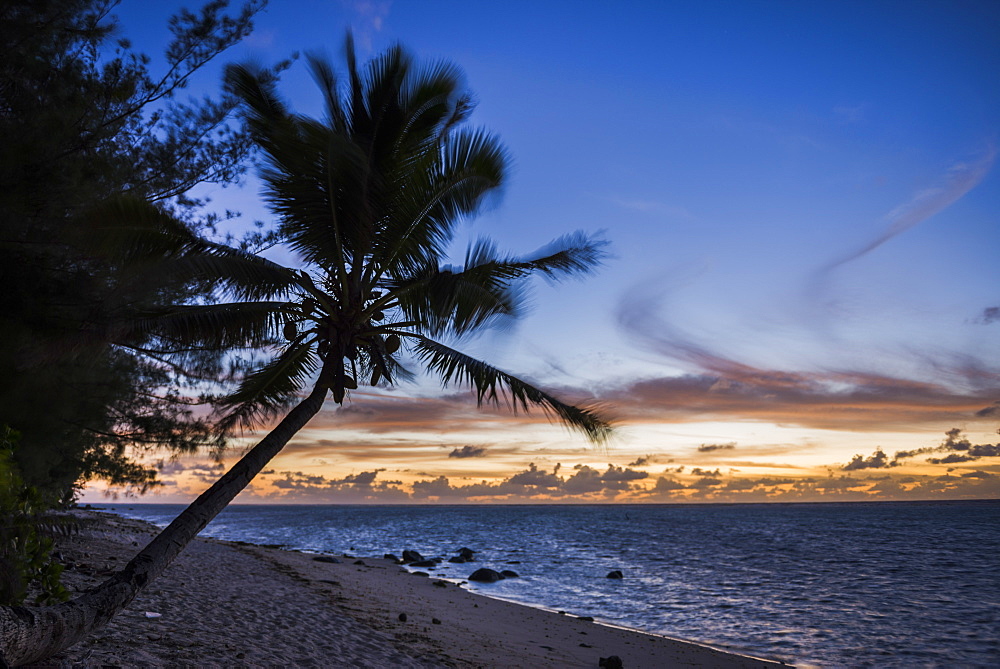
[29, 634]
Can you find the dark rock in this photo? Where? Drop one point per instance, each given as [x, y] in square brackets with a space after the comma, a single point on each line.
[467, 553]
[458, 559]
[615, 574]
[441, 584]
[513, 562]
[402, 617]
[390, 556]
[412, 556]
[435, 621]
[507, 573]
[424, 563]
[360, 562]
[613, 662]
[420, 573]
[588, 619]
[484, 575]
[326, 558]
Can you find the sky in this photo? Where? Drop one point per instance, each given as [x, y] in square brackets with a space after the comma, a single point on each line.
[802, 301]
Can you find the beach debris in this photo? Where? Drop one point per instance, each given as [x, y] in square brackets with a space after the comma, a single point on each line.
[152, 614]
[326, 558]
[412, 556]
[615, 574]
[484, 575]
[402, 617]
[613, 662]
[507, 573]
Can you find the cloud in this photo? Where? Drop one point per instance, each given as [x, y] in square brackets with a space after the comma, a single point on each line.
[959, 180]
[200, 468]
[726, 389]
[708, 448]
[992, 410]
[536, 483]
[989, 315]
[468, 451]
[665, 484]
[958, 449]
[878, 460]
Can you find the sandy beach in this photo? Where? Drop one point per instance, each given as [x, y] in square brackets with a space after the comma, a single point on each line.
[231, 604]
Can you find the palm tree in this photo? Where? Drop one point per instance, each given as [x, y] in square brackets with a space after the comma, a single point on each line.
[369, 198]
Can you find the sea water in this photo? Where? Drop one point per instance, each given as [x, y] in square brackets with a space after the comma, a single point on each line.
[909, 584]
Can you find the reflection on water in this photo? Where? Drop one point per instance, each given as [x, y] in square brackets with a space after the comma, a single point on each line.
[860, 585]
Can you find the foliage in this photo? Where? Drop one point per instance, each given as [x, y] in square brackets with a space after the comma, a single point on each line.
[89, 137]
[26, 530]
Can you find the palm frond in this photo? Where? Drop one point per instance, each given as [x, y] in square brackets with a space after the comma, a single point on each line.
[442, 187]
[443, 300]
[233, 325]
[493, 386]
[326, 78]
[269, 389]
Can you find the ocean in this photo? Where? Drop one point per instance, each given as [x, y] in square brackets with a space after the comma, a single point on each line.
[907, 584]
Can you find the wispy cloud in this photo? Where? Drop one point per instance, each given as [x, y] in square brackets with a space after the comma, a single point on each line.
[959, 180]
[720, 388]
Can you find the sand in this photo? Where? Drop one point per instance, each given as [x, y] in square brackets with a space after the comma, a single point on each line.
[238, 605]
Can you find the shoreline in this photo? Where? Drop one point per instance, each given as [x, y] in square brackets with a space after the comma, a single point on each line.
[225, 603]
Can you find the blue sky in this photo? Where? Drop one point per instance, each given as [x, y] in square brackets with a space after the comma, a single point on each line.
[798, 195]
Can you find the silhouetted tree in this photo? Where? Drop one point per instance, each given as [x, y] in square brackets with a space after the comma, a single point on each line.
[84, 122]
[369, 198]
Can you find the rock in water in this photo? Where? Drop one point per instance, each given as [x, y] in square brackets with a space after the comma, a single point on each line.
[484, 575]
[467, 553]
[412, 556]
[615, 574]
[507, 573]
[424, 563]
